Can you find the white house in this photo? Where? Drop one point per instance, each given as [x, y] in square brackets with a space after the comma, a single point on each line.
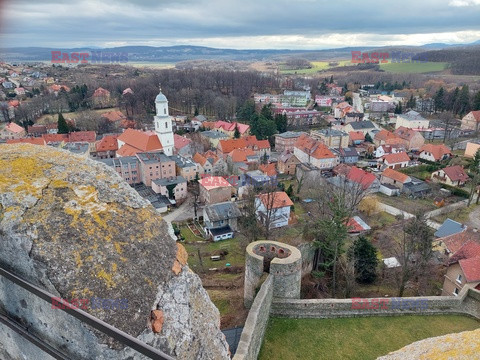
[412, 120]
[273, 209]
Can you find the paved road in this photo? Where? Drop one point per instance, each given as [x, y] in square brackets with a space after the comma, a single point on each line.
[183, 212]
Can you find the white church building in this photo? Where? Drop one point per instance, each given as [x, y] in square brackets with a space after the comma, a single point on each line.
[163, 124]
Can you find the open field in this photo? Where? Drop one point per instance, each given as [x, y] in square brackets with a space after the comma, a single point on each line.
[414, 68]
[354, 338]
[316, 67]
[53, 118]
[153, 65]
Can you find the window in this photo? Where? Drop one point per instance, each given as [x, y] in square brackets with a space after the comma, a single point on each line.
[459, 278]
[455, 292]
[164, 111]
[166, 124]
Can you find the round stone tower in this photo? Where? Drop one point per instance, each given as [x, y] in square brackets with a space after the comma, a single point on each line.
[282, 261]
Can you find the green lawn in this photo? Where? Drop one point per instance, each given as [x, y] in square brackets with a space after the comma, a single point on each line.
[415, 68]
[316, 67]
[235, 256]
[354, 338]
[407, 204]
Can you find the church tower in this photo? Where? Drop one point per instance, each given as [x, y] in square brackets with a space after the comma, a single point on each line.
[163, 124]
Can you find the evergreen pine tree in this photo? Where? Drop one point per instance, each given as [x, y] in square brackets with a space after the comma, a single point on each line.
[365, 260]
[62, 125]
[236, 134]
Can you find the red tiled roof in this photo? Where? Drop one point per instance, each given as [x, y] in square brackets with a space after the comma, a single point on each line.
[208, 124]
[83, 136]
[395, 175]
[342, 169]
[454, 242]
[313, 147]
[227, 146]
[240, 155]
[275, 200]
[199, 159]
[476, 115]
[456, 173]
[127, 150]
[268, 169]
[468, 250]
[180, 141]
[107, 143]
[255, 144]
[242, 128]
[361, 177]
[34, 141]
[56, 87]
[212, 182]
[471, 268]
[210, 155]
[14, 103]
[383, 135]
[437, 150]
[396, 158]
[114, 116]
[15, 128]
[406, 133]
[140, 140]
[356, 135]
[37, 129]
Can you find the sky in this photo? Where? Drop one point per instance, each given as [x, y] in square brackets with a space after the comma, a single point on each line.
[245, 24]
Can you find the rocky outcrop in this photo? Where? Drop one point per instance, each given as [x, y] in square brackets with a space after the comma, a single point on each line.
[461, 346]
[73, 227]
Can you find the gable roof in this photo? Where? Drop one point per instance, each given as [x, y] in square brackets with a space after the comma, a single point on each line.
[101, 92]
[361, 177]
[356, 135]
[437, 150]
[275, 200]
[396, 158]
[222, 211]
[476, 115]
[199, 159]
[268, 169]
[449, 227]
[227, 146]
[359, 125]
[455, 173]
[15, 128]
[114, 116]
[356, 224]
[313, 147]
[471, 268]
[384, 135]
[396, 175]
[142, 141]
[55, 137]
[406, 133]
[467, 251]
[240, 155]
[82, 136]
[180, 141]
[107, 143]
[454, 242]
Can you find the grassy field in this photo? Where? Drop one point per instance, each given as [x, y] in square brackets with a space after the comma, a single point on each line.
[407, 204]
[415, 68]
[316, 67]
[354, 338]
[460, 215]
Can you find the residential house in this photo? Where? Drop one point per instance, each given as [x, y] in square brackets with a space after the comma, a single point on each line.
[106, 147]
[220, 220]
[299, 116]
[416, 188]
[204, 166]
[309, 150]
[286, 141]
[36, 130]
[228, 128]
[215, 189]
[287, 163]
[55, 89]
[218, 163]
[463, 270]
[382, 136]
[127, 167]
[396, 161]
[411, 120]
[131, 142]
[356, 137]
[296, 98]
[435, 152]
[363, 126]
[471, 121]
[12, 131]
[185, 167]
[342, 109]
[241, 160]
[182, 145]
[225, 147]
[174, 188]
[258, 178]
[324, 100]
[452, 243]
[213, 137]
[307, 173]
[380, 106]
[19, 91]
[273, 209]
[383, 150]
[354, 116]
[471, 149]
[115, 117]
[155, 165]
[268, 169]
[347, 155]
[451, 175]
[331, 137]
[413, 139]
[101, 97]
[395, 178]
[260, 147]
[355, 178]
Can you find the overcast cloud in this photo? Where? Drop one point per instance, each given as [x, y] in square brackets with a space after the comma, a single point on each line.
[294, 24]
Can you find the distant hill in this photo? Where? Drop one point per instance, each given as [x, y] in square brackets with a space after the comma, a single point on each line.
[189, 52]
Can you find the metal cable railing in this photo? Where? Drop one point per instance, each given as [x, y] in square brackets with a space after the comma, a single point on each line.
[83, 316]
